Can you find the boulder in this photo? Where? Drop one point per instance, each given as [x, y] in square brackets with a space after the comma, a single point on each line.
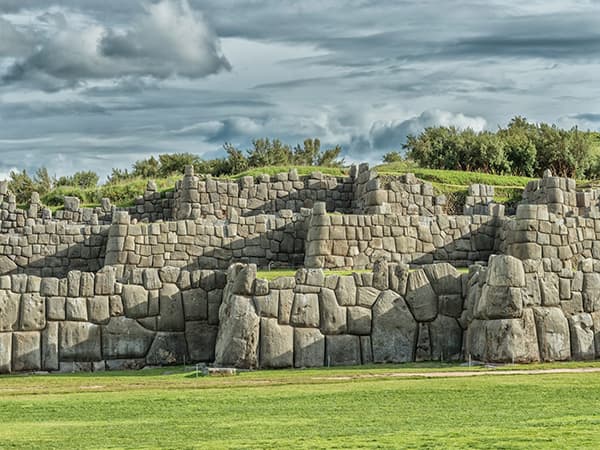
[50, 347]
[305, 310]
[171, 309]
[502, 302]
[366, 296]
[76, 309]
[591, 291]
[241, 279]
[124, 338]
[79, 341]
[359, 320]
[423, 348]
[333, 316]
[7, 265]
[9, 310]
[394, 329]
[505, 270]
[98, 309]
[444, 278]
[512, 340]
[276, 344]
[420, 297]
[26, 351]
[309, 347]
[237, 339]
[582, 336]
[342, 350]
[549, 289]
[446, 339]
[345, 291]
[33, 312]
[195, 304]
[553, 334]
[167, 349]
[6, 352]
[135, 301]
[268, 305]
[201, 339]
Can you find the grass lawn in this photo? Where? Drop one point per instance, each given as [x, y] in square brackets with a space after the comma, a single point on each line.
[319, 408]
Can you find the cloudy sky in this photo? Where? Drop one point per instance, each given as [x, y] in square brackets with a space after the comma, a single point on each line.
[95, 84]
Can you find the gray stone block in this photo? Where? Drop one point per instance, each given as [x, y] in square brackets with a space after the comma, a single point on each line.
[135, 301]
[342, 350]
[276, 344]
[26, 351]
[79, 341]
[333, 316]
[394, 329]
[309, 347]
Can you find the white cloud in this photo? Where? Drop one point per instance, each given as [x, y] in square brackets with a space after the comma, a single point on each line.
[168, 39]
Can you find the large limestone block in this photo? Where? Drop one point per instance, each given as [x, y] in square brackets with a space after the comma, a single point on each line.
[345, 291]
[6, 265]
[124, 338]
[366, 296]
[267, 305]
[99, 309]
[76, 309]
[444, 278]
[420, 297]
[6, 352]
[305, 310]
[446, 339]
[591, 291]
[26, 351]
[286, 302]
[276, 344]
[512, 340]
[309, 347]
[394, 329]
[195, 304]
[9, 310]
[476, 340]
[237, 340]
[241, 278]
[359, 320]
[596, 321]
[201, 339]
[505, 270]
[582, 336]
[79, 341]
[50, 347]
[549, 288]
[342, 350]
[167, 349]
[33, 312]
[553, 334]
[171, 309]
[135, 301]
[423, 348]
[498, 302]
[333, 316]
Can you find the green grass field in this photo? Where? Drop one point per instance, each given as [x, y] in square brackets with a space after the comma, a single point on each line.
[319, 408]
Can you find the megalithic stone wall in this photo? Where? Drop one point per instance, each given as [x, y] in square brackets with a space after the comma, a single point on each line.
[314, 319]
[112, 319]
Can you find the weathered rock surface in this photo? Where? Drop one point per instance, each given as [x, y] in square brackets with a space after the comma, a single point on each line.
[309, 347]
[394, 329]
[276, 344]
[237, 340]
[553, 334]
[80, 341]
[167, 349]
[124, 338]
[342, 350]
[420, 297]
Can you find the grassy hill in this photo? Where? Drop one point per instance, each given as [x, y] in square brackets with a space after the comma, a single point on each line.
[452, 183]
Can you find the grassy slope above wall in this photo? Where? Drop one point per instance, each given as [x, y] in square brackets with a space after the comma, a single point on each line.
[448, 182]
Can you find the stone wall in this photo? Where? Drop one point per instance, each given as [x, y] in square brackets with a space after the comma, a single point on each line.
[52, 248]
[195, 197]
[314, 319]
[358, 241]
[274, 241]
[108, 320]
[535, 311]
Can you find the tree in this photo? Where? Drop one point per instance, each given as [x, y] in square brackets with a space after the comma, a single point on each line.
[392, 157]
[146, 168]
[21, 184]
[174, 163]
